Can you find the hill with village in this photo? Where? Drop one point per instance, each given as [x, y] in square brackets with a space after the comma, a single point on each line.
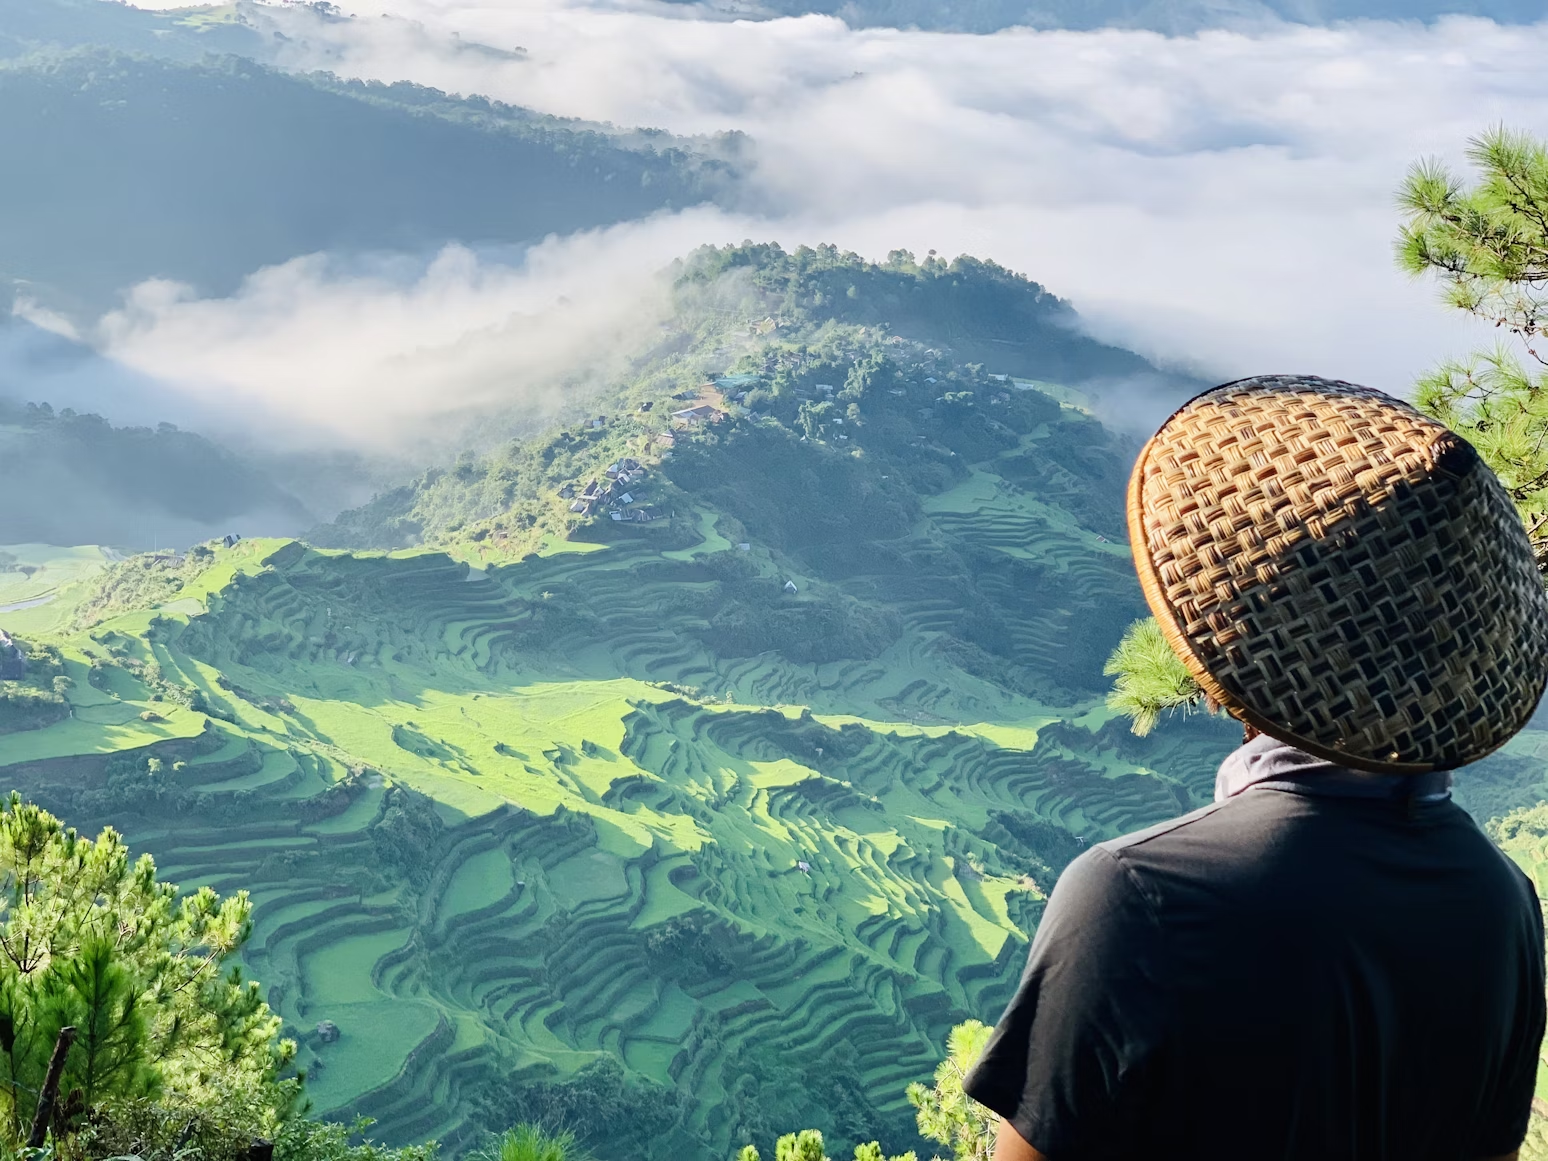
[695, 764]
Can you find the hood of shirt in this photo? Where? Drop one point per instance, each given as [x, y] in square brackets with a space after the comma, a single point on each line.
[1266, 761]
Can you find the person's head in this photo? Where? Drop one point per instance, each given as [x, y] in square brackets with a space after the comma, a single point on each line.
[1340, 572]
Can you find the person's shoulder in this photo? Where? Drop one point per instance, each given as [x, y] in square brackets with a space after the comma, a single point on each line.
[1194, 825]
[1112, 873]
[1471, 839]
[1098, 901]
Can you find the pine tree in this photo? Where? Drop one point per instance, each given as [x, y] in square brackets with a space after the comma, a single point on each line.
[1488, 246]
[947, 1114]
[90, 940]
[1151, 679]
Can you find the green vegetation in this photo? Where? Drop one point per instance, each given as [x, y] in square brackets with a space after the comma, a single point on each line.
[675, 833]
[807, 1145]
[94, 942]
[251, 171]
[947, 1115]
[532, 1143]
[1488, 246]
[32, 692]
[1150, 678]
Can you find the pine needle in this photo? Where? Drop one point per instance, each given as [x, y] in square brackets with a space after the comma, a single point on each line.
[1151, 679]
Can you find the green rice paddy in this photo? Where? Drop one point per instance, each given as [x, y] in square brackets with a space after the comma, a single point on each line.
[631, 847]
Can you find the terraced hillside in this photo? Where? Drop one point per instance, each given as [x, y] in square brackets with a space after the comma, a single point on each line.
[691, 828]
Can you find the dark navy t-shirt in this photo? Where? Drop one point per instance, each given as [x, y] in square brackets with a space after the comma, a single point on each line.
[1281, 975]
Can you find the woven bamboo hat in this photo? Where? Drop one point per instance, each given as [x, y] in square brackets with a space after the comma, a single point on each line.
[1341, 572]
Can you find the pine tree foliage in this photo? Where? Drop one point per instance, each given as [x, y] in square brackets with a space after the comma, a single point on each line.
[807, 1145]
[92, 940]
[1487, 244]
[948, 1115]
[1151, 679]
[533, 1143]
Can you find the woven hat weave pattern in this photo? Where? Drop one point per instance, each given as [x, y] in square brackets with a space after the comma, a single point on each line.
[1341, 572]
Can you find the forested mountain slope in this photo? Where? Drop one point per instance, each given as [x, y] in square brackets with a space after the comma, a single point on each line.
[76, 479]
[690, 826]
[31, 25]
[131, 167]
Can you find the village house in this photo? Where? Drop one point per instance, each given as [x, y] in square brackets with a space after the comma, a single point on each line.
[703, 413]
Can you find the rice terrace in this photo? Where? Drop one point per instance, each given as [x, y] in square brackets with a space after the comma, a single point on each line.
[687, 766]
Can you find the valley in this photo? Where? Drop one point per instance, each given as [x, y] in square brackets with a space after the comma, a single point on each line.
[721, 819]
[701, 827]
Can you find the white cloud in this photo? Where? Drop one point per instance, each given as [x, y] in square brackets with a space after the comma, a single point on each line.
[1224, 200]
[312, 351]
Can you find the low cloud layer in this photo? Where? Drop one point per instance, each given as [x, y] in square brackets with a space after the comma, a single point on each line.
[1221, 202]
[387, 354]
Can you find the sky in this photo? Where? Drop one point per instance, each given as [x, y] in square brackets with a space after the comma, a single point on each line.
[1223, 203]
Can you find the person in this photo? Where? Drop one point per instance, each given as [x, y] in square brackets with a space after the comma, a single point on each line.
[1331, 960]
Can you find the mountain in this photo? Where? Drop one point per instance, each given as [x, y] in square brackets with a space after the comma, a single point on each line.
[1173, 17]
[710, 821]
[898, 335]
[132, 167]
[689, 817]
[77, 479]
[188, 34]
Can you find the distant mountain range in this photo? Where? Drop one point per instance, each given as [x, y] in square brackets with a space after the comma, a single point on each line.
[150, 144]
[77, 479]
[131, 167]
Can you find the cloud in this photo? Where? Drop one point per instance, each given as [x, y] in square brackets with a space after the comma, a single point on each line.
[1222, 201]
[399, 354]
